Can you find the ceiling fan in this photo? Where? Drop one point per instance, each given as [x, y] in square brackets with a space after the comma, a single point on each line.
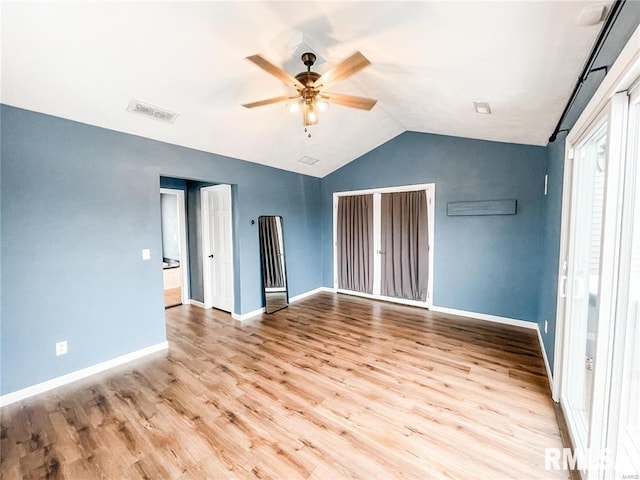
[312, 96]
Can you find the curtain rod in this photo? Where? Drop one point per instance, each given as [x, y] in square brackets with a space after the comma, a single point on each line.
[604, 33]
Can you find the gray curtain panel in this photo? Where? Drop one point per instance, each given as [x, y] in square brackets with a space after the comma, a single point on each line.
[271, 252]
[405, 245]
[355, 243]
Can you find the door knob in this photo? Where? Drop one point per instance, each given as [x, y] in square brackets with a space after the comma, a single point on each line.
[211, 256]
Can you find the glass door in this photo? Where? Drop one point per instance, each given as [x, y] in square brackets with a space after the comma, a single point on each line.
[584, 278]
[624, 428]
[597, 373]
[599, 200]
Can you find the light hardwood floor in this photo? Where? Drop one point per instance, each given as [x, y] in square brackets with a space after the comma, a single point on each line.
[172, 297]
[332, 387]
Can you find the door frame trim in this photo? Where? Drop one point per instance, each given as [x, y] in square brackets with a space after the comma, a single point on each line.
[185, 290]
[205, 241]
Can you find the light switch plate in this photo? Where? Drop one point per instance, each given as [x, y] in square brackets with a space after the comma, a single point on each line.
[146, 254]
[61, 347]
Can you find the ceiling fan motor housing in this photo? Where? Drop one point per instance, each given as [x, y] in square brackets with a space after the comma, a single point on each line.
[308, 59]
[308, 78]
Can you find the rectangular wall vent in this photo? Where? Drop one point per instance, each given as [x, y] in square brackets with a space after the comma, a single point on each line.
[309, 160]
[152, 111]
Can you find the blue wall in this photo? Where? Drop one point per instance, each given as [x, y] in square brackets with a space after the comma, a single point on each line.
[174, 183]
[79, 203]
[194, 223]
[484, 264]
[627, 22]
[552, 217]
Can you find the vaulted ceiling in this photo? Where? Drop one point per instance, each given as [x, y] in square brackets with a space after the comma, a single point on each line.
[85, 61]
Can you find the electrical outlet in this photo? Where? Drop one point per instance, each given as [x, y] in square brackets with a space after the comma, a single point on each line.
[146, 254]
[546, 326]
[61, 347]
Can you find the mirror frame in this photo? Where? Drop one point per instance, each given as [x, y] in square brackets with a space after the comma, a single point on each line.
[275, 298]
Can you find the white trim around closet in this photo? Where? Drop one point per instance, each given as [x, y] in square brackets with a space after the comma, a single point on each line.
[430, 190]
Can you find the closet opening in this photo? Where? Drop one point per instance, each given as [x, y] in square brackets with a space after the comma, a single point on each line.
[383, 243]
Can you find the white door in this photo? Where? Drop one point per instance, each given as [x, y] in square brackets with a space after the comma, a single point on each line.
[217, 247]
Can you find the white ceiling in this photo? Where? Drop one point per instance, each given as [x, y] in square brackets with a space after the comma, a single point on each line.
[430, 60]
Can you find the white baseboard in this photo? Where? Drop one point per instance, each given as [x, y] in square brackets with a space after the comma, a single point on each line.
[195, 303]
[326, 289]
[487, 317]
[505, 321]
[544, 357]
[412, 303]
[402, 301]
[79, 374]
[245, 316]
[309, 293]
[295, 298]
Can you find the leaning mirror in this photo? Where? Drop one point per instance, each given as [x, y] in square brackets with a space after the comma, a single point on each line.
[274, 272]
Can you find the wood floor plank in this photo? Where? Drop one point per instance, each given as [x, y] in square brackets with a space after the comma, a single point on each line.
[331, 387]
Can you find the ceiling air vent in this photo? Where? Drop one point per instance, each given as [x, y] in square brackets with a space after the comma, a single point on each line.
[152, 111]
[482, 107]
[309, 160]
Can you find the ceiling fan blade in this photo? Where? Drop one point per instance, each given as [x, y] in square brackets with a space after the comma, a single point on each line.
[343, 70]
[275, 71]
[268, 101]
[349, 100]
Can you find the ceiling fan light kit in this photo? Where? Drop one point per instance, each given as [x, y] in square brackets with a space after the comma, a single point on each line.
[312, 97]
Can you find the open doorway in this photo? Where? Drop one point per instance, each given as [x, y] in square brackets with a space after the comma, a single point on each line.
[197, 216]
[174, 247]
